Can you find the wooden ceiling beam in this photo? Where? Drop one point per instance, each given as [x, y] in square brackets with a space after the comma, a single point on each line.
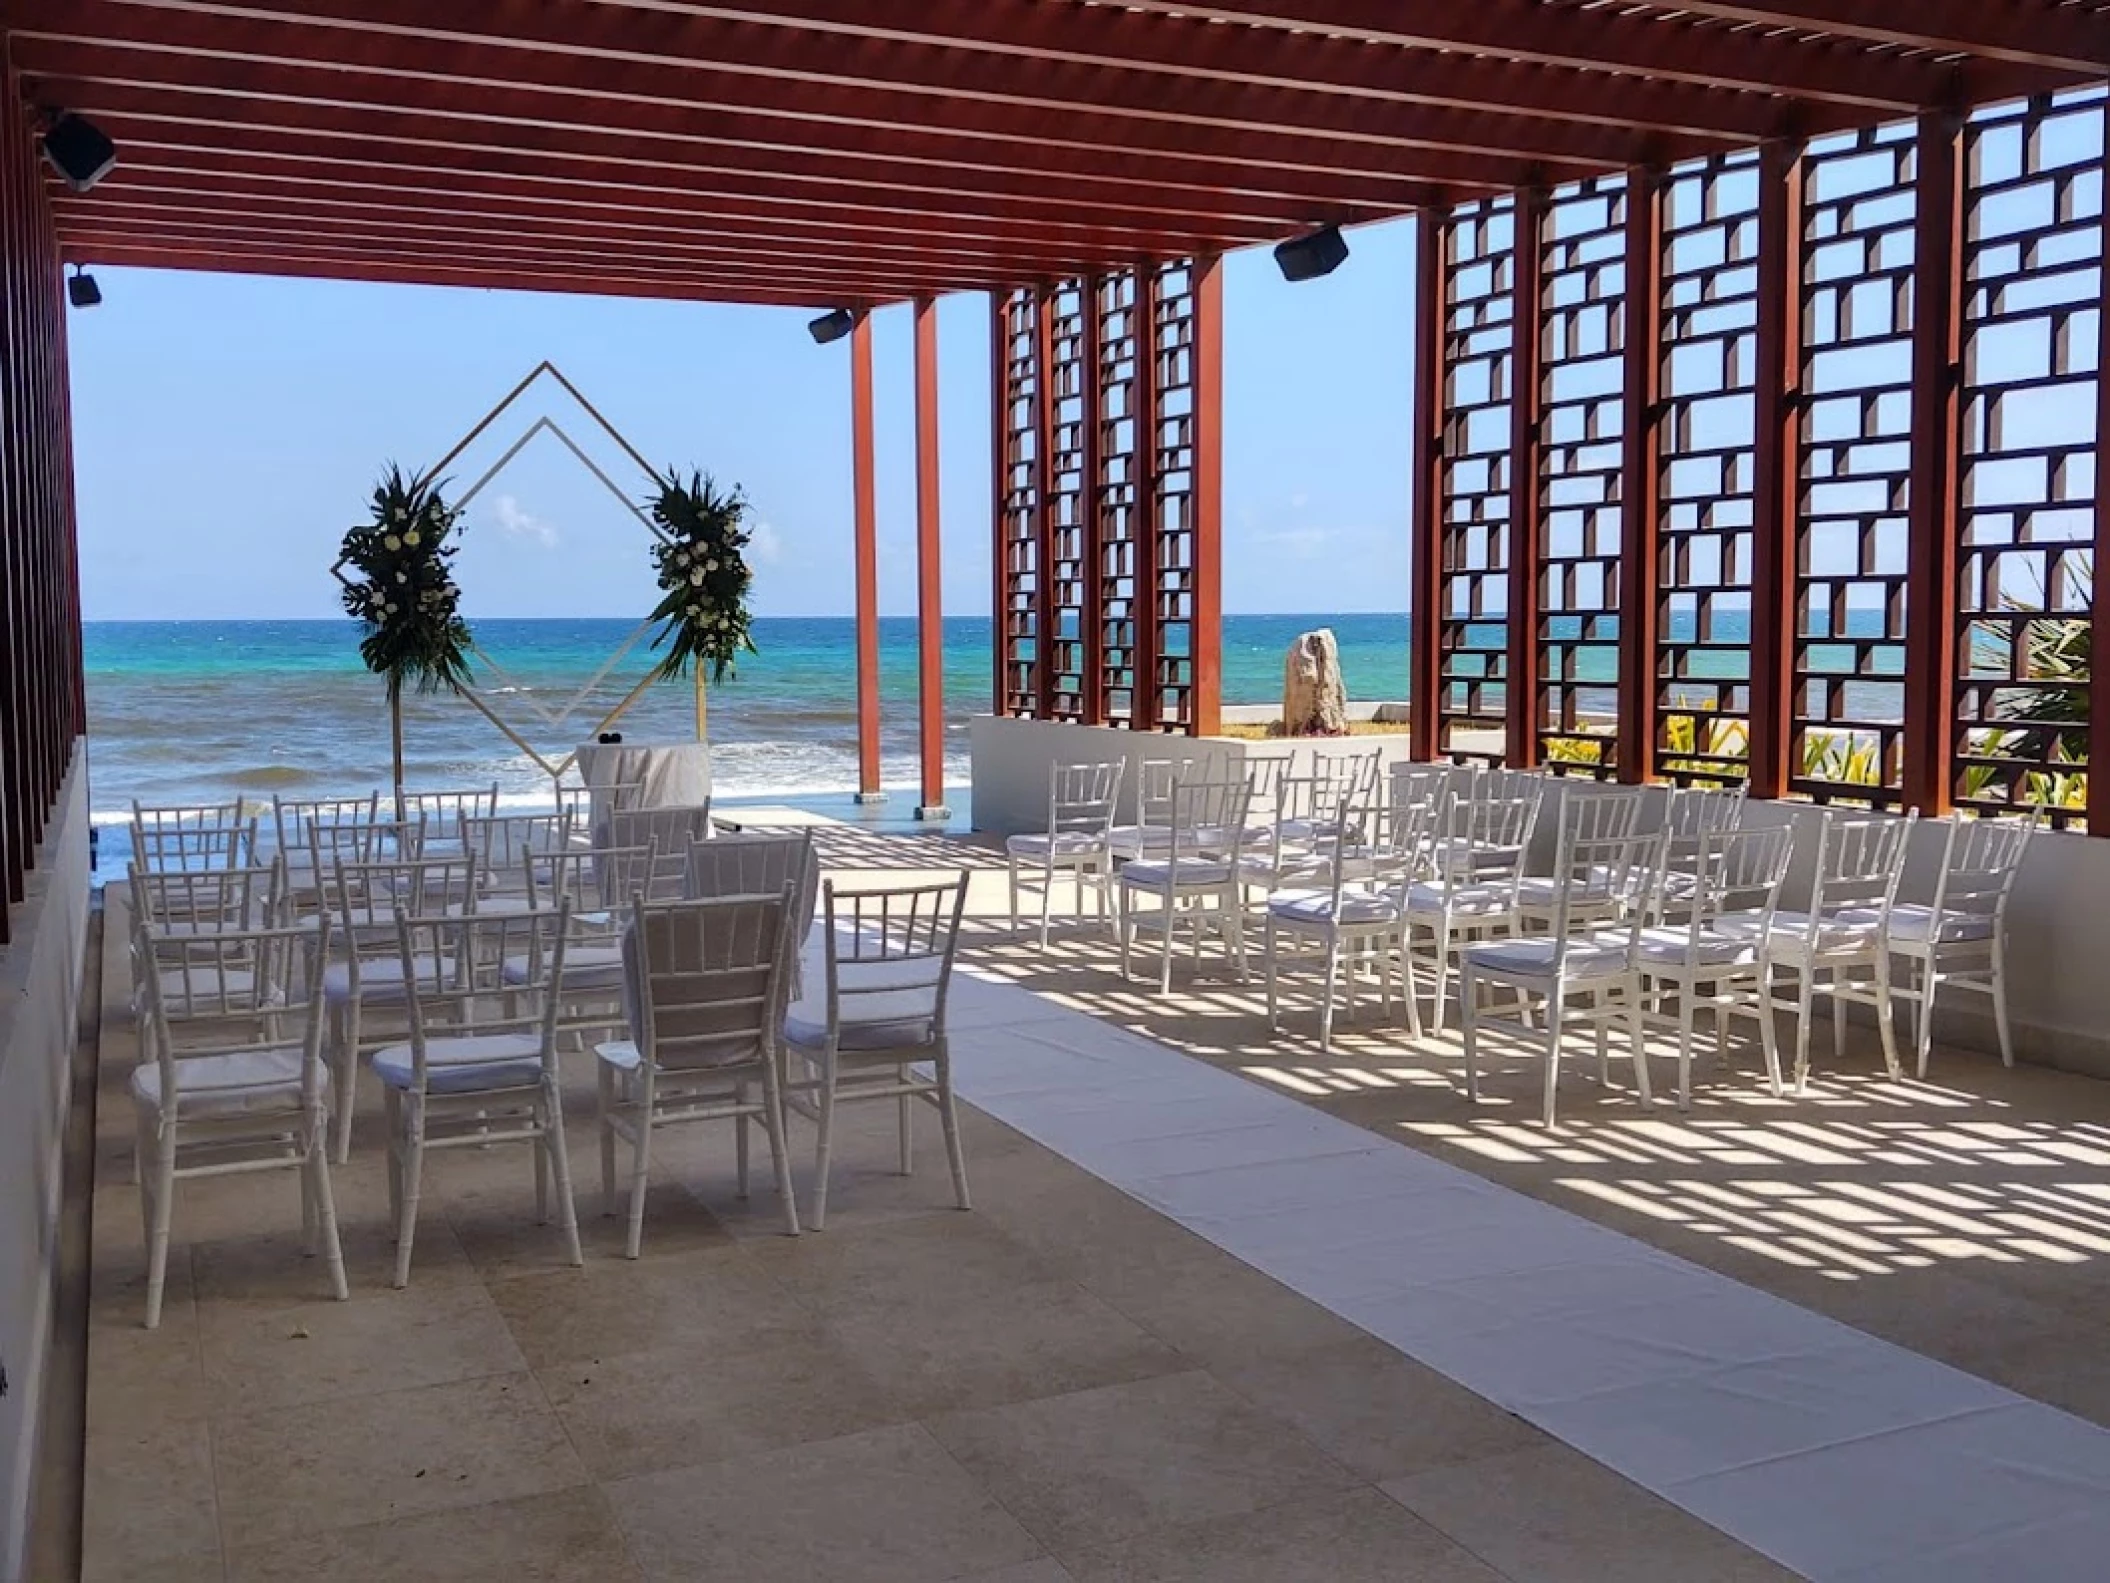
[822, 81]
[191, 118]
[376, 272]
[2039, 34]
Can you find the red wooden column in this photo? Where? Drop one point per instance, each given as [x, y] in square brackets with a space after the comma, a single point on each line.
[1044, 400]
[865, 533]
[1775, 492]
[2098, 608]
[1640, 477]
[1425, 643]
[930, 603]
[1937, 440]
[1520, 691]
[1207, 500]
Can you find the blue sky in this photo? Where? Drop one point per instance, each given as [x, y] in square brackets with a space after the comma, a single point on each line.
[228, 428]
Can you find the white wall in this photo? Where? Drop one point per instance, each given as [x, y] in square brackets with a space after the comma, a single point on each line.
[40, 977]
[2058, 916]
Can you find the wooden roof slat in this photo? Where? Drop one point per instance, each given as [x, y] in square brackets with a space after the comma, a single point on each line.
[2050, 35]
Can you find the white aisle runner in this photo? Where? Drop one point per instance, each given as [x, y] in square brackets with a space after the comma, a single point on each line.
[1842, 1456]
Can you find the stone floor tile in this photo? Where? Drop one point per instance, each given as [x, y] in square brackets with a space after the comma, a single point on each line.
[148, 1498]
[682, 1405]
[1357, 1537]
[1097, 1467]
[1377, 1410]
[884, 1506]
[1552, 1515]
[911, 1264]
[257, 1357]
[387, 1456]
[565, 1537]
[720, 1298]
[1006, 1343]
[1220, 1311]
[1046, 1570]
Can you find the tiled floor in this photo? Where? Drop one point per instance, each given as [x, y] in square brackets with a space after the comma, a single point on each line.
[1062, 1384]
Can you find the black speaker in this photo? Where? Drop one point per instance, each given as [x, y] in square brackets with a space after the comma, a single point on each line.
[1309, 257]
[78, 151]
[81, 289]
[832, 326]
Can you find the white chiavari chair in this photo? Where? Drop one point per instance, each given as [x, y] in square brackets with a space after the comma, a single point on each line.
[889, 963]
[1476, 866]
[1082, 802]
[231, 1080]
[1197, 882]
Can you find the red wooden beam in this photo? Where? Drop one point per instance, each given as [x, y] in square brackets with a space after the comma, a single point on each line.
[1521, 693]
[313, 266]
[1207, 500]
[2098, 608]
[864, 530]
[202, 187]
[782, 74]
[1652, 49]
[930, 600]
[2042, 34]
[1776, 468]
[1431, 391]
[527, 132]
[1937, 440]
[1640, 478]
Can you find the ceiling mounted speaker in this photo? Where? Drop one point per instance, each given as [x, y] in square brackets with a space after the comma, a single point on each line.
[1309, 257]
[832, 326]
[81, 289]
[78, 151]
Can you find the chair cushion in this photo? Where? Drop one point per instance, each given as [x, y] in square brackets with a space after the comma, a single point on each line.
[1059, 843]
[1543, 890]
[1316, 907]
[585, 967]
[202, 982]
[380, 978]
[1914, 921]
[1158, 873]
[1668, 947]
[1463, 901]
[1850, 929]
[1131, 839]
[1531, 956]
[884, 1020]
[242, 1083]
[466, 1065]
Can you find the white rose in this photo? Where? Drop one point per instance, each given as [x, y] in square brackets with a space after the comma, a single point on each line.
[710, 566]
[389, 608]
[392, 542]
[402, 577]
[681, 557]
[411, 538]
[397, 514]
[695, 579]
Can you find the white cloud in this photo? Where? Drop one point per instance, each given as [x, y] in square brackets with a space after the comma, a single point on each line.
[515, 523]
[1302, 542]
[765, 544]
[1298, 502]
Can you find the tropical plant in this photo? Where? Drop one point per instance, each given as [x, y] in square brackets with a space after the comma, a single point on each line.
[404, 595]
[703, 575]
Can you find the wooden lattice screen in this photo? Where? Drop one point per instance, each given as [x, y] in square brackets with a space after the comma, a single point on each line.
[1102, 485]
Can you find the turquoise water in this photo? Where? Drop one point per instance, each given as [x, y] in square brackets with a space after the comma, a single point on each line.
[190, 711]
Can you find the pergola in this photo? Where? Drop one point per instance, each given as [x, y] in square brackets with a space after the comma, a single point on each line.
[1723, 308]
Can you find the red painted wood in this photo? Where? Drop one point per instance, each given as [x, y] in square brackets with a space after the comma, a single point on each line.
[1425, 660]
[930, 601]
[865, 535]
[1206, 704]
[1520, 694]
[1937, 438]
[2099, 611]
[1640, 477]
[1777, 486]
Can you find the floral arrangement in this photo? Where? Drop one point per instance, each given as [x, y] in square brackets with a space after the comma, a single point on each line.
[703, 576]
[404, 594]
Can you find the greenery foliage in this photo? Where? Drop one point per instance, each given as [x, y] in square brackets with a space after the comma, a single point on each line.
[404, 596]
[703, 575]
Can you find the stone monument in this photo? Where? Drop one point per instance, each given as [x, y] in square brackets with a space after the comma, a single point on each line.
[1314, 698]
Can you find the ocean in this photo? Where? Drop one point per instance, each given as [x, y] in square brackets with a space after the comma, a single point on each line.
[184, 712]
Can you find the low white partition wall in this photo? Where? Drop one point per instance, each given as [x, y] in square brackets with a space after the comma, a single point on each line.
[2058, 917]
[40, 979]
